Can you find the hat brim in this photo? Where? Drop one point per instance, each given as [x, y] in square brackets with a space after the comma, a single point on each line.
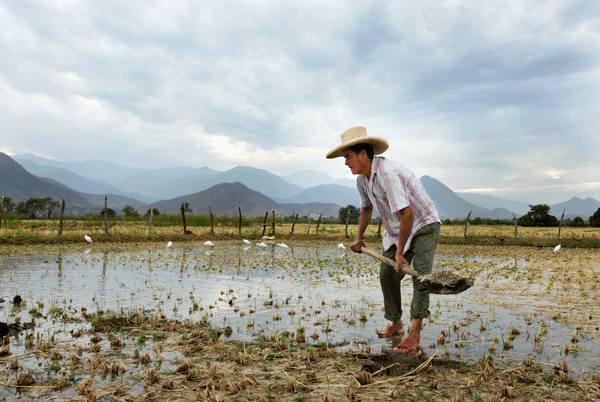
[379, 146]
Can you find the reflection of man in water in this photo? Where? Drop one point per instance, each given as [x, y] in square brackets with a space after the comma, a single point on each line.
[411, 221]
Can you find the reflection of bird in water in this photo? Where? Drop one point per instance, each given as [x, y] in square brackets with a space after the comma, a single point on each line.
[246, 242]
[88, 239]
[557, 248]
[282, 245]
[169, 244]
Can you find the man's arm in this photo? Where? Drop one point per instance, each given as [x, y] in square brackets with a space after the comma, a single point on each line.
[406, 222]
[363, 222]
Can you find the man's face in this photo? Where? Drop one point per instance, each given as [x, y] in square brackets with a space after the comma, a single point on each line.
[358, 163]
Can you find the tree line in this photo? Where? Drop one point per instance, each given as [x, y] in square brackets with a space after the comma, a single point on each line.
[538, 215]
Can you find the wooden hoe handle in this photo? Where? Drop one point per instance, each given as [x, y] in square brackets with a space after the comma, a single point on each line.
[377, 256]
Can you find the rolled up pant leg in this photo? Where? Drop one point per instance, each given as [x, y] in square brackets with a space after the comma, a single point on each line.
[390, 287]
[421, 254]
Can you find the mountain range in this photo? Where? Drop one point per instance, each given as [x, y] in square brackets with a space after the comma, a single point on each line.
[84, 185]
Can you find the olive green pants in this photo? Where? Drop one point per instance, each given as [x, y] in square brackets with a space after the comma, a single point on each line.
[420, 255]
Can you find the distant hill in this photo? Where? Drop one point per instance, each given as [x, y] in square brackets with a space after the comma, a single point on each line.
[116, 202]
[256, 179]
[576, 207]
[491, 202]
[166, 182]
[225, 198]
[313, 178]
[20, 185]
[77, 182]
[92, 169]
[450, 205]
[327, 193]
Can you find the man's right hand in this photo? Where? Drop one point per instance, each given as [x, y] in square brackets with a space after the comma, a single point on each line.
[356, 246]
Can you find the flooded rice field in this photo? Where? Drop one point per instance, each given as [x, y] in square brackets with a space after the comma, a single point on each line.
[527, 303]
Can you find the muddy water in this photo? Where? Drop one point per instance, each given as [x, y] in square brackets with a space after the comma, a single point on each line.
[331, 294]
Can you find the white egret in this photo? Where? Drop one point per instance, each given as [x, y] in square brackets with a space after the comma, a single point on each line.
[169, 244]
[341, 246]
[557, 248]
[209, 243]
[247, 248]
[246, 242]
[282, 245]
[88, 239]
[261, 244]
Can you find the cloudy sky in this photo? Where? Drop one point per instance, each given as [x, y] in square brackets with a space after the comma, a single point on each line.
[497, 97]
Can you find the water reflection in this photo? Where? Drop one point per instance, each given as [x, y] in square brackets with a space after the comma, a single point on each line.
[330, 293]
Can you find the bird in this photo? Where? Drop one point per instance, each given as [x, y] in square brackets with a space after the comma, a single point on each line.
[557, 248]
[246, 241]
[282, 245]
[341, 246]
[209, 243]
[261, 244]
[88, 239]
[169, 244]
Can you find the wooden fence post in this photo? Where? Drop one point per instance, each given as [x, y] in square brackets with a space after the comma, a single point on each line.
[240, 225]
[379, 228]
[1, 210]
[467, 225]
[273, 224]
[212, 223]
[183, 218]
[308, 230]
[150, 225]
[106, 215]
[294, 224]
[515, 220]
[318, 223]
[347, 223]
[265, 222]
[560, 223]
[62, 214]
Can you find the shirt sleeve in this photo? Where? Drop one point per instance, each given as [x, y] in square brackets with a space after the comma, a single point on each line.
[364, 198]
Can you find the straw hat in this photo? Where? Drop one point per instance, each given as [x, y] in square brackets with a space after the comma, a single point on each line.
[358, 135]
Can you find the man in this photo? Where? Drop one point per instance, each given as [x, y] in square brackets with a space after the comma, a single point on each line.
[411, 221]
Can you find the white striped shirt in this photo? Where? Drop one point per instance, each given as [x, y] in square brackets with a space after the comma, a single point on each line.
[391, 188]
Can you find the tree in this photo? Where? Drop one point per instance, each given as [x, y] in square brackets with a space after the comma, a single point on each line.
[110, 213]
[577, 222]
[538, 216]
[8, 205]
[595, 219]
[352, 210]
[50, 205]
[31, 207]
[186, 207]
[154, 212]
[130, 212]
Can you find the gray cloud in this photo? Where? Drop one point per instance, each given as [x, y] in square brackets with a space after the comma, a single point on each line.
[477, 95]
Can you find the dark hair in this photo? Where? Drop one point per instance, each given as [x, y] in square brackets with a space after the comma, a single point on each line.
[368, 148]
